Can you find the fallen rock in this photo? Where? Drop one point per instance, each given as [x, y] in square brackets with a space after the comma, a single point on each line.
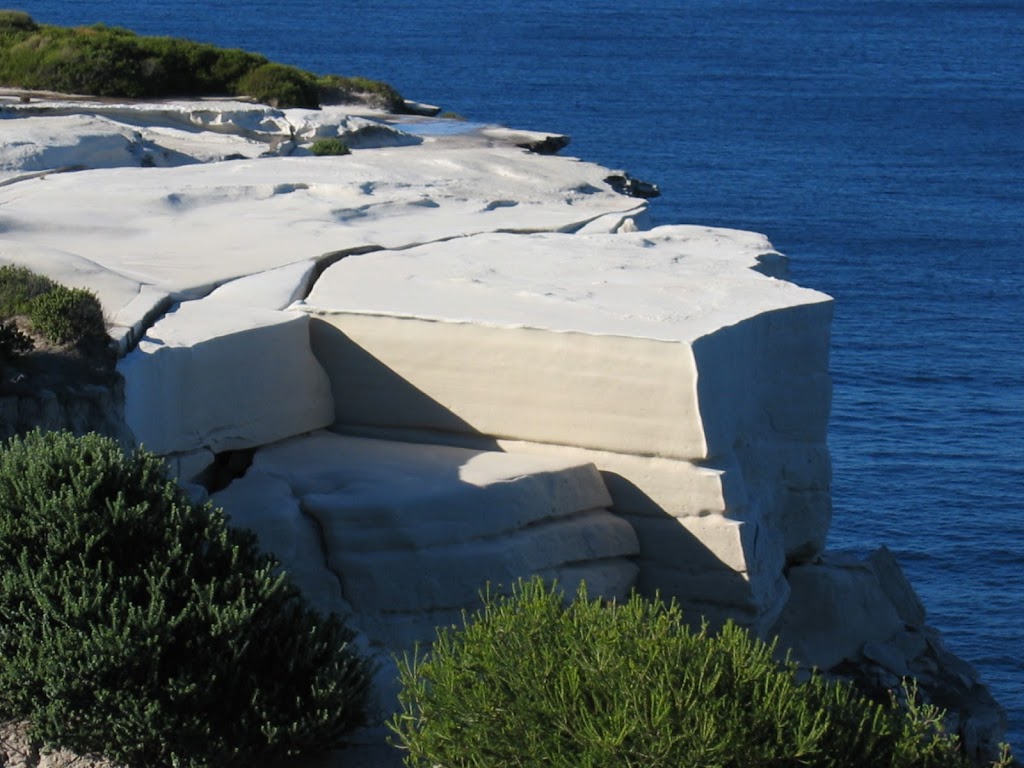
[861, 620]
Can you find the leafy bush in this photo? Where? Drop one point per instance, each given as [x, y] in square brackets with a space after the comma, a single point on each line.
[280, 86]
[530, 681]
[336, 89]
[18, 287]
[68, 316]
[332, 146]
[16, 21]
[13, 341]
[136, 625]
[110, 61]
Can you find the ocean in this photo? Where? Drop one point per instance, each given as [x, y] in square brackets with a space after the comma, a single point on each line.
[879, 143]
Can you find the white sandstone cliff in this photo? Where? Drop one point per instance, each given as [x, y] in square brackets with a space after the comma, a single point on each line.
[455, 362]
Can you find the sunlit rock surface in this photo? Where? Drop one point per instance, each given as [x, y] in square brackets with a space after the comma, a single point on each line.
[519, 376]
[402, 538]
[697, 383]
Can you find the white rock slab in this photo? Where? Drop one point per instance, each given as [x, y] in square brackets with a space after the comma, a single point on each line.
[188, 229]
[659, 343]
[716, 567]
[274, 289]
[216, 376]
[414, 532]
[267, 506]
[650, 486]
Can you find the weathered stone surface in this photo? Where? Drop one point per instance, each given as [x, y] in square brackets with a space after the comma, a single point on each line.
[897, 587]
[186, 228]
[18, 751]
[219, 377]
[835, 606]
[77, 409]
[862, 621]
[412, 533]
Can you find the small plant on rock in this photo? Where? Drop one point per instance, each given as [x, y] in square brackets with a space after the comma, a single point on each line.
[141, 627]
[337, 89]
[325, 147]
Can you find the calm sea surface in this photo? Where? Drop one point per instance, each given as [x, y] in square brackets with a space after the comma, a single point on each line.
[879, 144]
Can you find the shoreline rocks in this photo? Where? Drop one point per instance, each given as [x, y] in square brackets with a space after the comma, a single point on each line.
[454, 295]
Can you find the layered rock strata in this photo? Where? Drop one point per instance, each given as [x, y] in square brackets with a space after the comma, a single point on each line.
[402, 538]
[697, 384]
[514, 378]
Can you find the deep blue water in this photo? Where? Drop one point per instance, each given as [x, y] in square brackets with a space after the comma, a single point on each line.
[879, 144]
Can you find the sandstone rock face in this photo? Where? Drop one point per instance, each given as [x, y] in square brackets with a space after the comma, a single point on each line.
[518, 375]
[78, 409]
[182, 383]
[862, 620]
[402, 538]
[697, 384]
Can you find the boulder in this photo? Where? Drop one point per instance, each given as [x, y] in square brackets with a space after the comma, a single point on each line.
[862, 621]
[836, 605]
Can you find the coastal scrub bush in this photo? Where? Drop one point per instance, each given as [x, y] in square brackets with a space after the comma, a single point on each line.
[18, 287]
[531, 680]
[13, 341]
[16, 21]
[141, 627]
[68, 316]
[337, 89]
[280, 86]
[332, 146]
[111, 61]
[61, 315]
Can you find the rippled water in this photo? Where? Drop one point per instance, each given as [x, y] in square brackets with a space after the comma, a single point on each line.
[880, 144]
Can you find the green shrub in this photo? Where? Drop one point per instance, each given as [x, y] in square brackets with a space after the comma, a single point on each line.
[68, 316]
[16, 21]
[280, 86]
[13, 341]
[136, 625]
[110, 61]
[322, 147]
[530, 681]
[18, 287]
[336, 89]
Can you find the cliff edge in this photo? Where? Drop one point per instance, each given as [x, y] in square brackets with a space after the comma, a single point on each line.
[444, 360]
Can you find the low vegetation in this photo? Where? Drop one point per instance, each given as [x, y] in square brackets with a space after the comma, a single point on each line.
[335, 89]
[110, 61]
[532, 681]
[325, 147]
[32, 305]
[141, 627]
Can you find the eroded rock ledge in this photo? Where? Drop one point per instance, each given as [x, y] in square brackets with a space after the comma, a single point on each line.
[453, 362]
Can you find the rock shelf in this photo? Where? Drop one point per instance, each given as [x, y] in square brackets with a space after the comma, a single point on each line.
[455, 362]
